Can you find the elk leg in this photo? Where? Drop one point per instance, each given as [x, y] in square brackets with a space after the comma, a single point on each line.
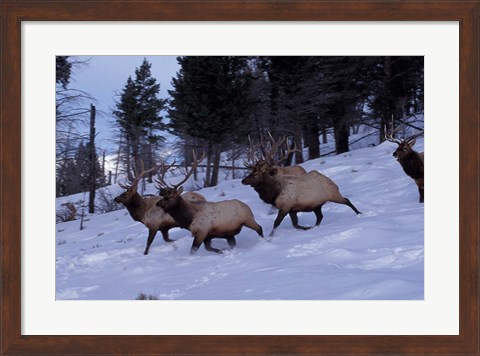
[197, 241]
[208, 245]
[254, 226]
[318, 214]
[349, 203]
[165, 235]
[232, 242]
[151, 236]
[420, 190]
[294, 218]
[281, 215]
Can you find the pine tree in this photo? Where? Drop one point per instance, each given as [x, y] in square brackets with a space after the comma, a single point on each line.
[210, 101]
[63, 71]
[138, 115]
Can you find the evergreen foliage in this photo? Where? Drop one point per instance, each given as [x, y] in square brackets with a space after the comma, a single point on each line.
[210, 100]
[63, 71]
[138, 115]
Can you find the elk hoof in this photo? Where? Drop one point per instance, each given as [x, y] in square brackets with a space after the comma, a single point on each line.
[304, 227]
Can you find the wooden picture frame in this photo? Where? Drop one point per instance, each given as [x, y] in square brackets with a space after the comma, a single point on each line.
[14, 12]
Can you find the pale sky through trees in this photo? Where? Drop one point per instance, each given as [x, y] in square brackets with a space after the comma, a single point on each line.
[104, 78]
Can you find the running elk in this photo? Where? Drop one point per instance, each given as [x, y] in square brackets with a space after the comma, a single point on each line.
[145, 210]
[206, 220]
[410, 160]
[293, 194]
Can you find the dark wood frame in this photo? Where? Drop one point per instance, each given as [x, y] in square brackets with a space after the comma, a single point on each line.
[14, 12]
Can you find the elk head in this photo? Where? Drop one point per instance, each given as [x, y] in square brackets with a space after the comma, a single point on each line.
[405, 145]
[131, 187]
[267, 161]
[171, 193]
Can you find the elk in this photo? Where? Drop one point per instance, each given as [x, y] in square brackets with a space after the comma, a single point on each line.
[293, 194]
[206, 220]
[410, 160]
[145, 210]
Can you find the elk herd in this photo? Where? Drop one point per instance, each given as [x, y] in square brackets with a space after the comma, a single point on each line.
[289, 189]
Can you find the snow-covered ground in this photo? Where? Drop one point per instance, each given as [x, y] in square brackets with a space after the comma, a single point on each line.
[376, 255]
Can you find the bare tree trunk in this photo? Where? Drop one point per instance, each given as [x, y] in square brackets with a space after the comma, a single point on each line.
[91, 196]
[118, 156]
[324, 133]
[127, 158]
[386, 109]
[216, 165]
[233, 163]
[314, 143]
[209, 162]
[103, 167]
[298, 141]
[82, 217]
[151, 159]
[341, 135]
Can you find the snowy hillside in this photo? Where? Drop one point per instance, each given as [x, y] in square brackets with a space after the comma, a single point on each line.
[375, 255]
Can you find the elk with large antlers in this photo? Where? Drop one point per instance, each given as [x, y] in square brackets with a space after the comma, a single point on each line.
[410, 160]
[145, 210]
[206, 220]
[293, 194]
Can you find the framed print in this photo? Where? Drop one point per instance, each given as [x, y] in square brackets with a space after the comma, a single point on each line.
[442, 317]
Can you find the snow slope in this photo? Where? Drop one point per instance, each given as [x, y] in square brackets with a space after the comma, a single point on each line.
[376, 255]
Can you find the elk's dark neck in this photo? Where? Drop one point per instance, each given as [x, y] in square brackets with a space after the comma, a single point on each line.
[181, 213]
[136, 207]
[413, 165]
[268, 190]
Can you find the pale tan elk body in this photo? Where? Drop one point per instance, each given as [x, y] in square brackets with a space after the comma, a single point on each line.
[296, 194]
[155, 217]
[206, 220]
[302, 192]
[146, 211]
[305, 193]
[295, 171]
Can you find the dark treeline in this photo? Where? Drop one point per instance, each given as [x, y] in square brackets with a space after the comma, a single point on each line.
[217, 102]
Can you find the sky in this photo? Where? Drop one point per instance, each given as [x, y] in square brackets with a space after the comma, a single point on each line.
[104, 78]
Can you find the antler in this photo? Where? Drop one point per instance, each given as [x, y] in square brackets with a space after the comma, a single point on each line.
[137, 178]
[410, 138]
[161, 181]
[389, 137]
[274, 145]
[285, 154]
[124, 185]
[252, 149]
